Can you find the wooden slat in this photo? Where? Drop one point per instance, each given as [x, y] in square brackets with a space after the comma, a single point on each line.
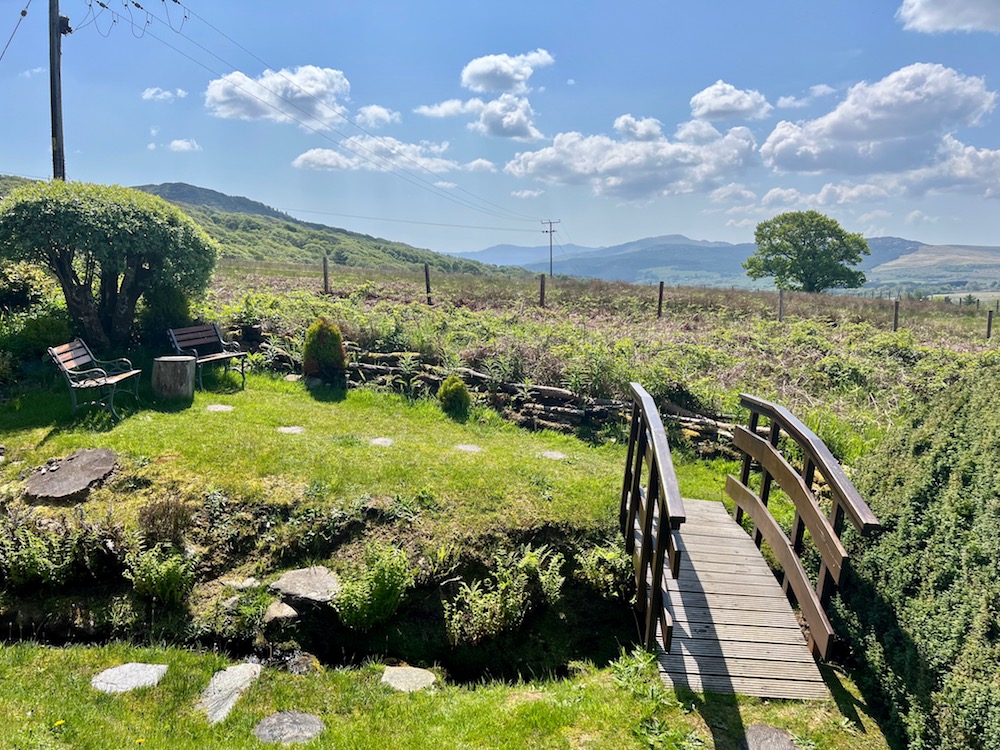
[820, 628]
[791, 482]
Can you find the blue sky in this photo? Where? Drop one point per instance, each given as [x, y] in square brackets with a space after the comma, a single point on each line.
[459, 125]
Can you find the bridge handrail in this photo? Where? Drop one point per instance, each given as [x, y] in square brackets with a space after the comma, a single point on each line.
[824, 531]
[652, 513]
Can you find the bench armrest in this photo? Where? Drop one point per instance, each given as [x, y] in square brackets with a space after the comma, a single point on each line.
[80, 376]
[115, 366]
[188, 352]
[230, 346]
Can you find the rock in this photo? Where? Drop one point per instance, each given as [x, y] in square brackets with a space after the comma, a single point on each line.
[288, 727]
[302, 662]
[468, 448]
[128, 677]
[225, 688]
[554, 455]
[218, 407]
[293, 378]
[70, 478]
[230, 603]
[279, 611]
[312, 382]
[764, 737]
[382, 442]
[315, 584]
[246, 583]
[293, 430]
[408, 679]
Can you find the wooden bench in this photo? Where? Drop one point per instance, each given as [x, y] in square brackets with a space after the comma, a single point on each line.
[83, 372]
[206, 344]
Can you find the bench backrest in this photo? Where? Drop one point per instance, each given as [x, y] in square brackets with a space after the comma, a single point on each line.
[205, 339]
[72, 356]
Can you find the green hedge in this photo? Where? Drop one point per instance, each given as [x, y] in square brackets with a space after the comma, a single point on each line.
[922, 605]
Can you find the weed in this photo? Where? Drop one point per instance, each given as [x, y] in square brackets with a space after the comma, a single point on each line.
[163, 575]
[371, 596]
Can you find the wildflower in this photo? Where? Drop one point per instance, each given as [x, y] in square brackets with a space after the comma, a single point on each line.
[59, 723]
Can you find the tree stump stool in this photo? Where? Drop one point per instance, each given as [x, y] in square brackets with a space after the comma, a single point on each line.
[173, 377]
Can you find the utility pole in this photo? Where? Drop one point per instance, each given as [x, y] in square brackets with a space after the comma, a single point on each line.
[550, 231]
[58, 25]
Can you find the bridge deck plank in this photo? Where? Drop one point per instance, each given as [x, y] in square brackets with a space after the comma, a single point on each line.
[734, 630]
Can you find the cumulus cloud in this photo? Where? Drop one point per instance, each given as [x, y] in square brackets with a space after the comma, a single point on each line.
[646, 129]
[950, 15]
[504, 73]
[734, 192]
[382, 155]
[526, 194]
[723, 101]
[507, 117]
[308, 94]
[451, 108]
[959, 168]
[156, 94]
[32, 72]
[892, 125]
[374, 116]
[184, 145]
[638, 169]
[815, 92]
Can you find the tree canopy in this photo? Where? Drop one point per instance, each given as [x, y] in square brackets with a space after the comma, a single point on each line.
[107, 246]
[806, 251]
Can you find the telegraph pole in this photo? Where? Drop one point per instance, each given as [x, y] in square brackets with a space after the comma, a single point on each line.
[58, 25]
[550, 231]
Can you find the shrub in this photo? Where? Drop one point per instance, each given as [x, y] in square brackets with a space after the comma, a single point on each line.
[30, 335]
[323, 353]
[454, 397]
[608, 570]
[165, 520]
[22, 286]
[163, 575]
[163, 307]
[373, 596]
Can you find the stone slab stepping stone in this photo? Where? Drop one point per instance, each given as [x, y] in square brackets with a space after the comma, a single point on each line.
[764, 737]
[225, 688]
[279, 611]
[128, 677]
[408, 679]
[293, 430]
[246, 583]
[383, 442]
[315, 584]
[288, 727]
[468, 448]
[218, 407]
[67, 478]
[554, 455]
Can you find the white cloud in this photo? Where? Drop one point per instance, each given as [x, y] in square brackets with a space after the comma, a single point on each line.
[815, 92]
[308, 94]
[723, 101]
[480, 165]
[950, 15]
[571, 82]
[32, 72]
[782, 197]
[382, 155]
[647, 129]
[734, 192]
[877, 215]
[156, 94]
[504, 73]
[151, 146]
[445, 185]
[959, 168]
[526, 194]
[638, 170]
[374, 116]
[508, 117]
[182, 145]
[919, 217]
[892, 125]
[451, 108]
[697, 131]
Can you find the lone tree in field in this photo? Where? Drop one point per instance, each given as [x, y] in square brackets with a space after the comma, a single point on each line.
[107, 246]
[806, 251]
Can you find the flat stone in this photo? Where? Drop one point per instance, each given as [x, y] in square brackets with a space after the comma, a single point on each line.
[383, 442]
[764, 737]
[128, 677]
[218, 407]
[279, 611]
[246, 583]
[68, 478]
[293, 378]
[468, 448]
[303, 663]
[408, 679]
[289, 727]
[293, 430]
[225, 688]
[230, 603]
[315, 584]
[554, 455]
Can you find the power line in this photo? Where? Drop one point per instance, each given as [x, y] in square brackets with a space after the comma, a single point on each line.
[16, 27]
[405, 221]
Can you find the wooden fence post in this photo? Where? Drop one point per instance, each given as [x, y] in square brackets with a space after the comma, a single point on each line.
[989, 324]
[781, 305]
[541, 290]
[659, 305]
[895, 316]
[427, 282]
[326, 275]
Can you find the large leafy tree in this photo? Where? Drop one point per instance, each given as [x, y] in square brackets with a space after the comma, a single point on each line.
[806, 251]
[107, 246]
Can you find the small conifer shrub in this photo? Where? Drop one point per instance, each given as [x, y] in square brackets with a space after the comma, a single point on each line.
[454, 397]
[323, 353]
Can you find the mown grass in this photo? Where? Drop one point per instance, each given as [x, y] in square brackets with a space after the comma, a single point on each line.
[46, 702]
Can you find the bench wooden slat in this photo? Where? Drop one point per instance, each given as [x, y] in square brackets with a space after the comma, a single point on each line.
[206, 343]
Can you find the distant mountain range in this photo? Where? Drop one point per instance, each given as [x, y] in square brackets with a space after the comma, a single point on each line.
[248, 229]
[679, 260]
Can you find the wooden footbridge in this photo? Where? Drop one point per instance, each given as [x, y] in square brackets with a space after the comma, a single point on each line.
[720, 618]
